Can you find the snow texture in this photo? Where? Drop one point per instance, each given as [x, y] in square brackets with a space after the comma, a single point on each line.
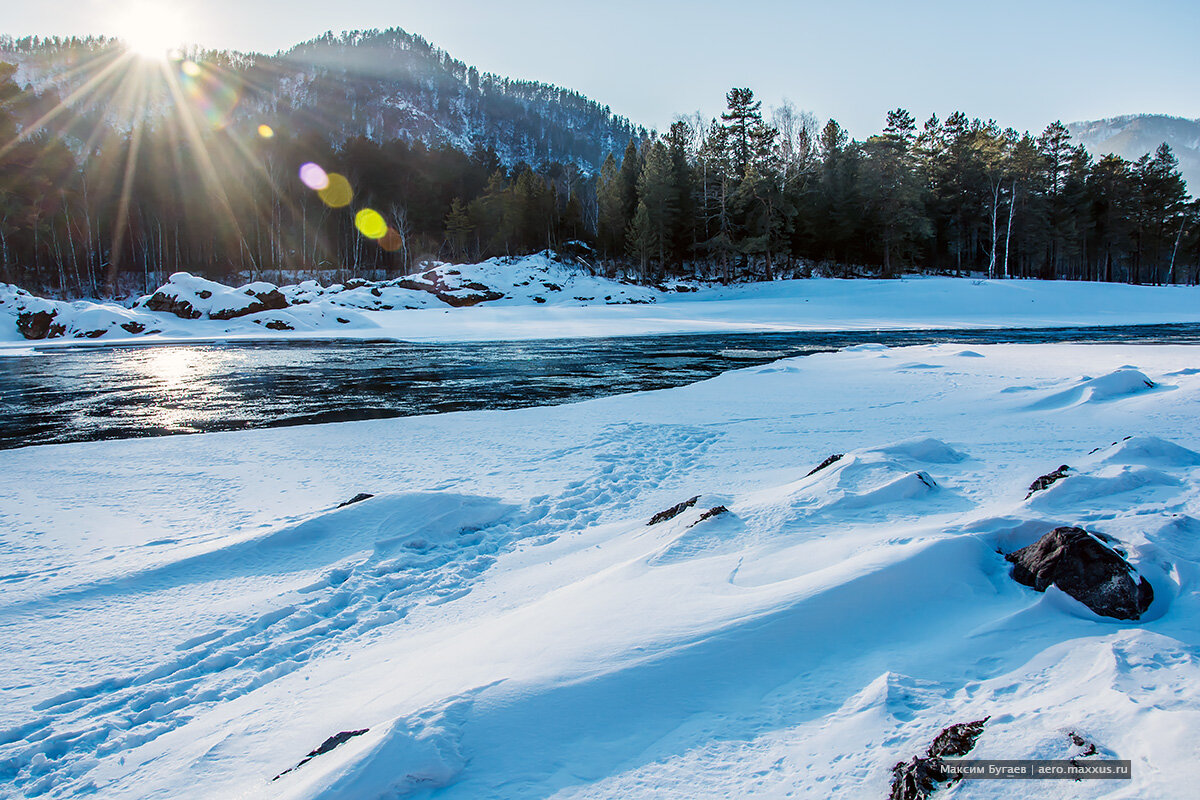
[189, 616]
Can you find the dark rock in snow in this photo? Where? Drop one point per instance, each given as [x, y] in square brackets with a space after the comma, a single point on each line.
[715, 511]
[358, 498]
[921, 776]
[1088, 748]
[1048, 480]
[336, 740]
[279, 325]
[1080, 564]
[957, 740]
[673, 511]
[133, 327]
[264, 301]
[833, 459]
[39, 325]
[160, 301]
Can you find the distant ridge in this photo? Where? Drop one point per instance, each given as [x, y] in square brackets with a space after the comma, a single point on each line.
[381, 84]
[1133, 135]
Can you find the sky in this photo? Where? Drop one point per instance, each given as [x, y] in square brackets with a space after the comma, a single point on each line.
[1023, 63]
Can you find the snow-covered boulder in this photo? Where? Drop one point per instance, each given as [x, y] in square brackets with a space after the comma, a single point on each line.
[35, 318]
[191, 297]
[1083, 566]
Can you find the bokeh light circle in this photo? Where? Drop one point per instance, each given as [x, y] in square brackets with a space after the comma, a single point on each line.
[370, 223]
[314, 177]
[337, 194]
[391, 241]
[266, 131]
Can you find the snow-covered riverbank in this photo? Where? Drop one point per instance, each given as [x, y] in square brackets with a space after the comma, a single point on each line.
[190, 616]
[536, 298]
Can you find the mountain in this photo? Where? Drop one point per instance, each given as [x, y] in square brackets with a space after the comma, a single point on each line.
[383, 85]
[1134, 135]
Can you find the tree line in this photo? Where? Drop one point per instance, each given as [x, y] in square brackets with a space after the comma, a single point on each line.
[88, 207]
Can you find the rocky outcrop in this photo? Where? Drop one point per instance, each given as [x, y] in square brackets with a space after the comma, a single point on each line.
[1082, 565]
[336, 740]
[922, 775]
[39, 325]
[358, 498]
[179, 297]
[715, 511]
[161, 301]
[833, 459]
[673, 511]
[1047, 480]
[469, 294]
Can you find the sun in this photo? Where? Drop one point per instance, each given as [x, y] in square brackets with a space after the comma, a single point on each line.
[151, 30]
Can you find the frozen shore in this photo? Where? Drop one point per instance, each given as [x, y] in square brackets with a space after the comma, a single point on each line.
[536, 297]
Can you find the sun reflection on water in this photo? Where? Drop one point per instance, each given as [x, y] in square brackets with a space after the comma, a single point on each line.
[184, 397]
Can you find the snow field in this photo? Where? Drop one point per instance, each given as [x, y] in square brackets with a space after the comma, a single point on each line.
[506, 624]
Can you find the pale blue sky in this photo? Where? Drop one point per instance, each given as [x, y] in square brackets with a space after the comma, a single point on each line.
[1024, 62]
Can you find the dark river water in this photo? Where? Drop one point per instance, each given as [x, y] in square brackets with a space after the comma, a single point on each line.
[72, 395]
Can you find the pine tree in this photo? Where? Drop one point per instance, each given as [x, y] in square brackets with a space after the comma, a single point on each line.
[611, 221]
[747, 136]
[654, 221]
[458, 228]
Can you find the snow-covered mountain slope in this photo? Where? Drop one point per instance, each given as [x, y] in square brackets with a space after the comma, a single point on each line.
[1135, 135]
[194, 616]
[537, 296]
[383, 85]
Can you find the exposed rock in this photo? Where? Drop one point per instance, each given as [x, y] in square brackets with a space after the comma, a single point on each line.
[272, 300]
[279, 325]
[358, 498]
[268, 300]
[715, 511]
[673, 511]
[1086, 748]
[160, 301]
[333, 741]
[39, 325]
[460, 300]
[133, 327]
[1047, 480]
[957, 740]
[921, 776]
[833, 459]
[343, 321]
[1082, 565]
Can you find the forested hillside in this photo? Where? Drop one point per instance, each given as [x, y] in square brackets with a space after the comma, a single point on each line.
[373, 151]
[1134, 135]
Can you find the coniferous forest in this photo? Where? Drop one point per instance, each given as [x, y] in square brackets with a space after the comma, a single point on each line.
[197, 167]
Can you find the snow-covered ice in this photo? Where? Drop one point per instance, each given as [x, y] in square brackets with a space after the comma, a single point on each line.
[190, 616]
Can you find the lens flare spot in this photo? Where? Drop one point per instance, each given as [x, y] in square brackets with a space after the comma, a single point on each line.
[314, 177]
[191, 68]
[266, 131]
[391, 241]
[370, 224]
[337, 194]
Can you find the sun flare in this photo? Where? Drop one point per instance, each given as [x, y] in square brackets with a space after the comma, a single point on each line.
[152, 30]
